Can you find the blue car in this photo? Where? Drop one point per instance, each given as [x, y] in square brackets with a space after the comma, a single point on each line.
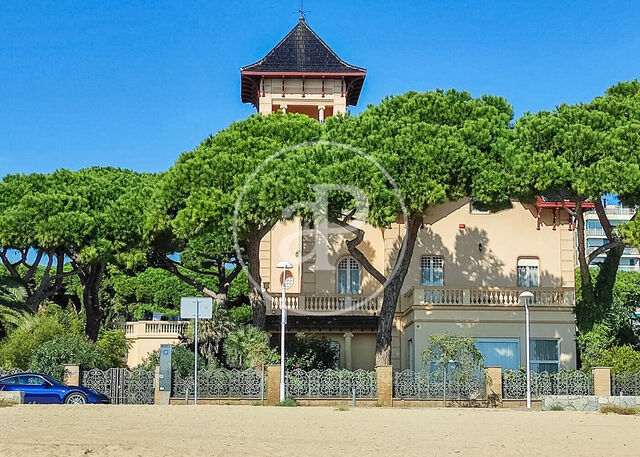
[40, 388]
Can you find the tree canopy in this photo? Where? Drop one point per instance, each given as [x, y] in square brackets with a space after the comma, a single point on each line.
[437, 146]
[582, 153]
[195, 205]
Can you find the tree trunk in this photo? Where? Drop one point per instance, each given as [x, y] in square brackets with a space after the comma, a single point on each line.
[255, 286]
[586, 287]
[392, 293]
[91, 280]
[606, 279]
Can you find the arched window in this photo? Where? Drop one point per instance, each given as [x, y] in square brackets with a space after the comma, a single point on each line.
[349, 276]
[432, 271]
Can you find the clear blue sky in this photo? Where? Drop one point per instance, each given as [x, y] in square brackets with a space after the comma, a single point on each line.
[135, 83]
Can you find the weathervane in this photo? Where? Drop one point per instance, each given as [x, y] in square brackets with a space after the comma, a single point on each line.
[301, 10]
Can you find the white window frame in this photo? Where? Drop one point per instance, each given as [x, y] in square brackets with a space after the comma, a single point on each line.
[349, 262]
[556, 362]
[528, 262]
[432, 269]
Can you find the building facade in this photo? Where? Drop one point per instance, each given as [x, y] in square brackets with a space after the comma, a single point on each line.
[466, 274]
[468, 268]
[596, 237]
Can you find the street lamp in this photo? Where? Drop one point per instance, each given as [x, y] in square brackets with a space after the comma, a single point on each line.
[283, 322]
[525, 297]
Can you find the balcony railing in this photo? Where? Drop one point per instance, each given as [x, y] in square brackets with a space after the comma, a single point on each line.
[328, 303]
[152, 328]
[620, 210]
[488, 296]
[595, 232]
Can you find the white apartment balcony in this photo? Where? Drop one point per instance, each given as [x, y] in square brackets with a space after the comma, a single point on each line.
[627, 251]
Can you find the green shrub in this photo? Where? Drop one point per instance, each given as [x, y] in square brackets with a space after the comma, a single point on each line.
[50, 357]
[288, 402]
[621, 359]
[310, 352]
[248, 347]
[182, 359]
[21, 344]
[241, 315]
[114, 346]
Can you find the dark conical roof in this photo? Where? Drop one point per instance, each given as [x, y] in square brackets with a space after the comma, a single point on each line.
[302, 50]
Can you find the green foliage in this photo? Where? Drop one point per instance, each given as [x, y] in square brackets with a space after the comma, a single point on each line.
[70, 320]
[602, 326]
[18, 348]
[152, 290]
[621, 359]
[309, 352]
[114, 346]
[241, 315]
[248, 347]
[50, 357]
[460, 349]
[288, 402]
[182, 359]
[211, 334]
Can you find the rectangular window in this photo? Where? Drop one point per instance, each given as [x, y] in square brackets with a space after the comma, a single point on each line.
[500, 352]
[528, 273]
[432, 271]
[544, 355]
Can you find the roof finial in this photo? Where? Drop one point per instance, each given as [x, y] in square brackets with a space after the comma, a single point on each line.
[301, 10]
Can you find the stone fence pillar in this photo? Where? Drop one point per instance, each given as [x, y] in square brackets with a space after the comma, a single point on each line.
[601, 381]
[384, 375]
[273, 385]
[493, 379]
[71, 376]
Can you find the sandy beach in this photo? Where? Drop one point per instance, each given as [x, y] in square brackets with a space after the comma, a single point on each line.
[30, 430]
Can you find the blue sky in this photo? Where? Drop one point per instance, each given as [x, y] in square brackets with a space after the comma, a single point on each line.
[133, 84]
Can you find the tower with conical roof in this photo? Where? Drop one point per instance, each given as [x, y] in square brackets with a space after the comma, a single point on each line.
[301, 74]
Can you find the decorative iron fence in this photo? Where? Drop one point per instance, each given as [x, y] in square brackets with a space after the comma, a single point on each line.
[223, 383]
[331, 383]
[625, 384]
[424, 384]
[566, 382]
[10, 372]
[121, 385]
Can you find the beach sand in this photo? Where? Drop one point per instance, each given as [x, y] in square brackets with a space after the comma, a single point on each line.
[128, 430]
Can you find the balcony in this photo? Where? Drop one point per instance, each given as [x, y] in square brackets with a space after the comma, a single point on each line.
[152, 329]
[595, 231]
[485, 296]
[327, 304]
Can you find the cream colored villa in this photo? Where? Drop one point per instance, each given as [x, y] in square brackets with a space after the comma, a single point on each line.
[468, 267]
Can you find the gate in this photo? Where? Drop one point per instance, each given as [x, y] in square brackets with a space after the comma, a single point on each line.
[122, 385]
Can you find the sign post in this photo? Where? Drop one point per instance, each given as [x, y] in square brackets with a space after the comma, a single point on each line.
[196, 308]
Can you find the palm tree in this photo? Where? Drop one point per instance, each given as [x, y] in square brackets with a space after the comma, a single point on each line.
[211, 334]
[248, 347]
[13, 309]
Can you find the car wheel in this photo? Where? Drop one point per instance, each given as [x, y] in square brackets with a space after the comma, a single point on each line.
[76, 398]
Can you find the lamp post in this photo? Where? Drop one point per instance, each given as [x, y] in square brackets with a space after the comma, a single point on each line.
[525, 297]
[283, 322]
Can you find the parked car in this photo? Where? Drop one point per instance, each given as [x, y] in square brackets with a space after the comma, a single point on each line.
[40, 388]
